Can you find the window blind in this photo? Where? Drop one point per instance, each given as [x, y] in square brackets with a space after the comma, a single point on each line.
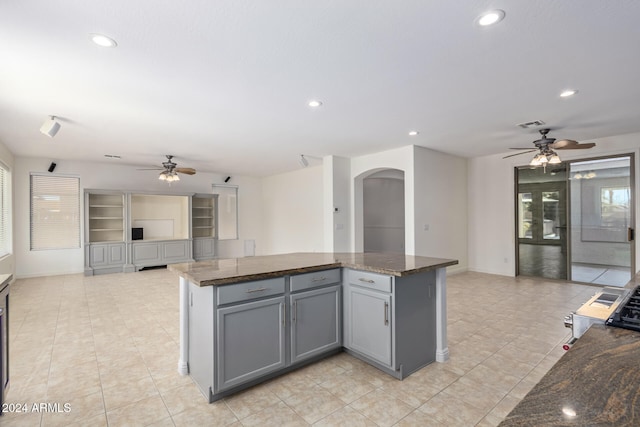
[55, 212]
[5, 220]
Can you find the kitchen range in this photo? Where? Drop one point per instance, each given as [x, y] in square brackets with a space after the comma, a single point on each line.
[595, 311]
[627, 315]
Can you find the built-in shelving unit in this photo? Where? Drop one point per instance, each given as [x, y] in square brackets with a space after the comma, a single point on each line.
[169, 228]
[202, 217]
[203, 225]
[106, 217]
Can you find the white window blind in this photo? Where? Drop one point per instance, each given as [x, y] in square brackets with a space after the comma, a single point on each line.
[5, 219]
[55, 212]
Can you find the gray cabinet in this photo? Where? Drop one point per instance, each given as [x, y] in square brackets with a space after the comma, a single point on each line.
[390, 321]
[152, 253]
[370, 323]
[250, 341]
[204, 248]
[315, 322]
[106, 254]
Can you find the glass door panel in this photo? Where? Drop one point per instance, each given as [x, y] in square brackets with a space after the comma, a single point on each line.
[602, 221]
[525, 215]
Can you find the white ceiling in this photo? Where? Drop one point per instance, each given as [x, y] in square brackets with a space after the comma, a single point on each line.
[223, 85]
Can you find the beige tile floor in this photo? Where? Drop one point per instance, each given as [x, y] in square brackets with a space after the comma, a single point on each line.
[108, 347]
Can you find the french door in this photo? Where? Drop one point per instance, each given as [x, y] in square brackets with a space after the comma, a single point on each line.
[542, 222]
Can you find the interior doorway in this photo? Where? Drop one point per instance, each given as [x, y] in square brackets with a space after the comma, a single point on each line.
[383, 211]
[575, 221]
[542, 222]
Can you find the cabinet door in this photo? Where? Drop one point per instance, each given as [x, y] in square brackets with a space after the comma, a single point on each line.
[98, 255]
[116, 254]
[315, 322]
[250, 341]
[370, 323]
[203, 248]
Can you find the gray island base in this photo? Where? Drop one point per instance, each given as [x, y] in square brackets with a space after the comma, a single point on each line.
[246, 320]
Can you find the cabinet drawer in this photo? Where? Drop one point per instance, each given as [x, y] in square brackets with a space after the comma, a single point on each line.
[317, 278]
[365, 279]
[228, 294]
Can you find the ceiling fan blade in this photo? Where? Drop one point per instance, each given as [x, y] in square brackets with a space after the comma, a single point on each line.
[187, 171]
[569, 144]
[520, 148]
[151, 169]
[517, 154]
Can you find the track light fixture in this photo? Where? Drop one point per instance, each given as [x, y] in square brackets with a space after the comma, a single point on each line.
[50, 127]
[303, 162]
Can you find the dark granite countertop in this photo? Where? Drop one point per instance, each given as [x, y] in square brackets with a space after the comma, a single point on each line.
[234, 270]
[596, 383]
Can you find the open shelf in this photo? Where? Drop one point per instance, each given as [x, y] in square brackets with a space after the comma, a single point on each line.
[106, 217]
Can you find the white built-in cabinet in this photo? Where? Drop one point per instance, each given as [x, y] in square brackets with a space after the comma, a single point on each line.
[105, 222]
[203, 225]
[176, 228]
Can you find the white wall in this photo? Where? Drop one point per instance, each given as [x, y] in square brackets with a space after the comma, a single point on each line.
[363, 166]
[337, 203]
[7, 262]
[120, 177]
[491, 206]
[440, 196]
[292, 211]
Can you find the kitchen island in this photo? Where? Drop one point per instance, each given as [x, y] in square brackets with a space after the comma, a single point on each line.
[245, 320]
[594, 384]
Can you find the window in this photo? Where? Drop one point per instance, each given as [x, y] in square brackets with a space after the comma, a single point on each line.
[55, 212]
[5, 209]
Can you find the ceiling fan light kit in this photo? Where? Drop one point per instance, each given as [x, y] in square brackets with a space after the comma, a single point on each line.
[547, 147]
[170, 170]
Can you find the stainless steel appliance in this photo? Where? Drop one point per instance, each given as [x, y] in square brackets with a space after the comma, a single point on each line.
[627, 315]
[4, 341]
[597, 310]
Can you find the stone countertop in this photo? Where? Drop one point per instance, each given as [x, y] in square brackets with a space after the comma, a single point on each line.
[234, 270]
[596, 383]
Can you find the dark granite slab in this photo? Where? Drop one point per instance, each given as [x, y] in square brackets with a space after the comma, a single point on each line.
[596, 383]
[234, 270]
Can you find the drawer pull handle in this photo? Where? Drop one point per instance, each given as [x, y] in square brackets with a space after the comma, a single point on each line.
[366, 280]
[295, 311]
[319, 279]
[386, 313]
[250, 291]
[284, 312]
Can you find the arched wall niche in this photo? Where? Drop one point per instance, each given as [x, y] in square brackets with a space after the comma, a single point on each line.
[380, 210]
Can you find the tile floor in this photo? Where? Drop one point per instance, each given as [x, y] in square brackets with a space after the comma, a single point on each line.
[108, 347]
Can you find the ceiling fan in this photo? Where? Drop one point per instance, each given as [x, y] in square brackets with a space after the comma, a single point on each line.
[170, 170]
[546, 146]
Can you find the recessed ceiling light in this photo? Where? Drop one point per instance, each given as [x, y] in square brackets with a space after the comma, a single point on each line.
[102, 40]
[413, 133]
[490, 18]
[568, 92]
[314, 103]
